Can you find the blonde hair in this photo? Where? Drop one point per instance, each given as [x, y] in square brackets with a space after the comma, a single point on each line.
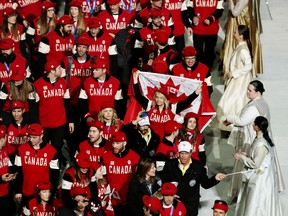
[21, 92]
[42, 22]
[159, 94]
[80, 21]
[115, 120]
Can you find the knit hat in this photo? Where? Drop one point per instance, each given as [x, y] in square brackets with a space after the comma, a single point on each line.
[160, 66]
[189, 51]
[19, 74]
[168, 189]
[35, 129]
[171, 126]
[82, 160]
[152, 203]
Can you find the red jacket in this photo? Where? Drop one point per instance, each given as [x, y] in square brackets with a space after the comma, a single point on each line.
[120, 170]
[35, 165]
[110, 25]
[52, 112]
[4, 164]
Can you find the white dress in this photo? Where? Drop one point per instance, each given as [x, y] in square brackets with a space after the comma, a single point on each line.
[234, 97]
[259, 193]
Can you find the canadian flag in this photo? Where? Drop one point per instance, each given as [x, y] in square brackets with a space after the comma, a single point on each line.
[177, 89]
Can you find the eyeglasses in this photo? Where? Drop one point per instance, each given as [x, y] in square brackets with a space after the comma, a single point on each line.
[51, 10]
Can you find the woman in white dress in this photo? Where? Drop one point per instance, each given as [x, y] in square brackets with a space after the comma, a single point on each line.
[259, 192]
[239, 76]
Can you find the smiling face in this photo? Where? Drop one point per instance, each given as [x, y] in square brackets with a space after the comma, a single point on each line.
[218, 212]
[118, 147]
[190, 60]
[184, 157]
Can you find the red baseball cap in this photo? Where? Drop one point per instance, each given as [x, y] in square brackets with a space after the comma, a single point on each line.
[119, 137]
[113, 2]
[9, 10]
[47, 4]
[155, 12]
[189, 51]
[2, 130]
[161, 36]
[51, 64]
[97, 124]
[78, 191]
[220, 204]
[19, 74]
[171, 126]
[191, 115]
[160, 66]
[98, 63]
[6, 43]
[152, 203]
[94, 22]
[35, 129]
[83, 40]
[44, 185]
[82, 160]
[75, 3]
[17, 104]
[65, 20]
[168, 189]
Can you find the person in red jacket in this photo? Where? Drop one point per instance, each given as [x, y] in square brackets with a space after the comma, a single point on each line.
[94, 146]
[220, 208]
[54, 106]
[57, 43]
[98, 89]
[205, 16]
[190, 132]
[170, 205]
[7, 175]
[10, 62]
[79, 175]
[36, 160]
[167, 149]
[121, 165]
[43, 203]
[17, 130]
[28, 11]
[191, 68]
[114, 18]
[102, 45]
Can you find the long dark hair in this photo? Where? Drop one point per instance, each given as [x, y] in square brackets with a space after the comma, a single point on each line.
[183, 132]
[262, 123]
[143, 167]
[258, 86]
[244, 30]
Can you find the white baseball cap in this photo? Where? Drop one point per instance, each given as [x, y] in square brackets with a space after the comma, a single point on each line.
[184, 146]
[144, 121]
